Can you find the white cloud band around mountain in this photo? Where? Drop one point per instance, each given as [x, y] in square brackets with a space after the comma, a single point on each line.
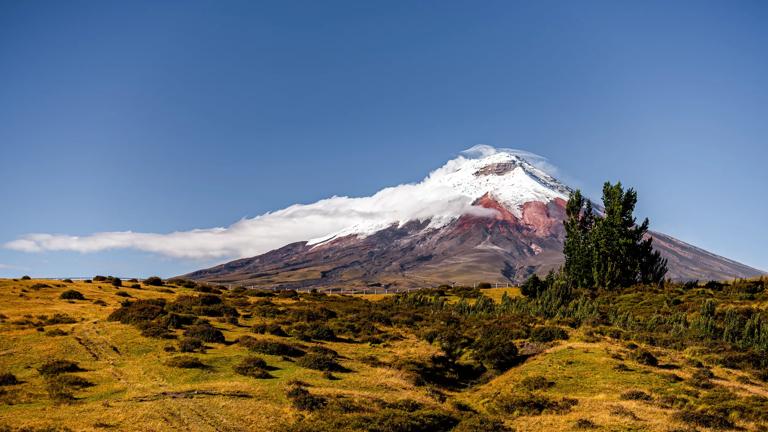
[428, 199]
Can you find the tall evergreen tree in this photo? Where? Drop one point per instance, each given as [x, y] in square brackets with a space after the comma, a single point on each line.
[578, 224]
[610, 250]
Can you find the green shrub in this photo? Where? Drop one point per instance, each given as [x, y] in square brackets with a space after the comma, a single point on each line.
[39, 286]
[289, 294]
[73, 381]
[122, 294]
[307, 332]
[644, 357]
[205, 332]
[270, 347]
[583, 423]
[495, 349]
[60, 318]
[701, 378]
[254, 367]
[58, 391]
[177, 321]
[55, 332]
[532, 404]
[138, 311]
[25, 277]
[154, 329]
[704, 418]
[548, 334]
[72, 295]
[481, 423]
[56, 367]
[273, 329]
[8, 379]
[536, 382]
[319, 361]
[116, 282]
[636, 395]
[186, 362]
[191, 344]
[153, 281]
[303, 400]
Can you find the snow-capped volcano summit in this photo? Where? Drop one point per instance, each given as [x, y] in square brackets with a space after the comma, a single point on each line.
[504, 176]
[492, 215]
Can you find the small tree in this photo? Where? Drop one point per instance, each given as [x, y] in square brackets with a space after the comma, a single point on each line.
[153, 281]
[533, 286]
[610, 250]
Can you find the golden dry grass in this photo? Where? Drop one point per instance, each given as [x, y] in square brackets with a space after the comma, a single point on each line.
[128, 368]
[136, 391]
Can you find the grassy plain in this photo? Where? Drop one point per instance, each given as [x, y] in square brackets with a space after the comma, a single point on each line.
[135, 390]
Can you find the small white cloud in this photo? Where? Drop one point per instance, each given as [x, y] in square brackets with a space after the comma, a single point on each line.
[429, 199]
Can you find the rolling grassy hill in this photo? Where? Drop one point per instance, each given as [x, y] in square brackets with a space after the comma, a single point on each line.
[356, 363]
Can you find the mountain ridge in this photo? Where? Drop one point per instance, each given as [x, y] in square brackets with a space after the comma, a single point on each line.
[509, 227]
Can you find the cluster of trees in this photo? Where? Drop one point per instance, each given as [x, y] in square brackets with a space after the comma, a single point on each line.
[609, 250]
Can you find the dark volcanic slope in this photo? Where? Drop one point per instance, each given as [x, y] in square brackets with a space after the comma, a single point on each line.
[503, 248]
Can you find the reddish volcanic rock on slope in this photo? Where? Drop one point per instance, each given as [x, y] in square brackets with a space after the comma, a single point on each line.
[500, 248]
[523, 235]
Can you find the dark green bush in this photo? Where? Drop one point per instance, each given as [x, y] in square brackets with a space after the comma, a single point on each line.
[55, 332]
[704, 418]
[154, 329]
[536, 382]
[533, 286]
[73, 381]
[644, 357]
[273, 329]
[481, 423]
[56, 367]
[72, 295]
[308, 332]
[59, 391]
[8, 379]
[270, 347]
[548, 334]
[60, 318]
[532, 404]
[191, 344]
[116, 282]
[25, 277]
[289, 294]
[495, 348]
[138, 311]
[186, 362]
[701, 378]
[636, 395]
[205, 332]
[153, 281]
[583, 423]
[319, 361]
[303, 400]
[254, 367]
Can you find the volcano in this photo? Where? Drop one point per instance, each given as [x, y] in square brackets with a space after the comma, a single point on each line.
[498, 218]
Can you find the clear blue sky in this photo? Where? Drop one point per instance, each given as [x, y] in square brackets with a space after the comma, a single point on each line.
[163, 116]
